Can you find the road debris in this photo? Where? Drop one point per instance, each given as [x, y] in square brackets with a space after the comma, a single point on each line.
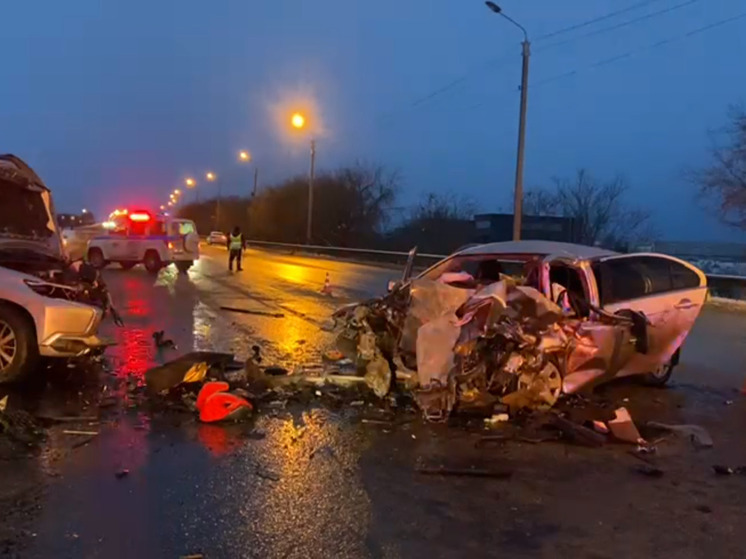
[578, 433]
[649, 470]
[160, 341]
[215, 403]
[623, 428]
[122, 473]
[81, 433]
[698, 436]
[729, 471]
[464, 472]
[254, 312]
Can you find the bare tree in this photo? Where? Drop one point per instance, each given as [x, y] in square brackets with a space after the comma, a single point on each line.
[722, 185]
[445, 207]
[599, 208]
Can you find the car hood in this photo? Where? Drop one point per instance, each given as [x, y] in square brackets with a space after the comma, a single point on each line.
[27, 219]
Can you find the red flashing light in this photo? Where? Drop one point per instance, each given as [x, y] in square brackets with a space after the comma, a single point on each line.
[140, 216]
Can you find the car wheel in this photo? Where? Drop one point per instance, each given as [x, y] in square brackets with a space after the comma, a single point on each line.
[19, 353]
[152, 262]
[96, 258]
[660, 376]
[128, 265]
[184, 265]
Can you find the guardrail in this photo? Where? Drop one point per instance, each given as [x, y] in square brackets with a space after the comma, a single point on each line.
[721, 286]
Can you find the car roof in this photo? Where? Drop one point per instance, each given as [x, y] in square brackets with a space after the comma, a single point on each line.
[540, 248]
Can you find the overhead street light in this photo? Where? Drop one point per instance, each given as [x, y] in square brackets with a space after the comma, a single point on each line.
[518, 190]
[245, 157]
[298, 121]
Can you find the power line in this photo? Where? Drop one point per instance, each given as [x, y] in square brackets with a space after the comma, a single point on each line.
[496, 61]
[595, 20]
[663, 42]
[619, 25]
[624, 55]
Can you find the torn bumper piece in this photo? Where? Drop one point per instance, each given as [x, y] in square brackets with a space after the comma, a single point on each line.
[503, 342]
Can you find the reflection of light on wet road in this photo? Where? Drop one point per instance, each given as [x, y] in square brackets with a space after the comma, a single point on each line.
[133, 354]
[318, 498]
[294, 273]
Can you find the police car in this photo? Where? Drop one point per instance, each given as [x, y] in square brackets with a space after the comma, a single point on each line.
[153, 240]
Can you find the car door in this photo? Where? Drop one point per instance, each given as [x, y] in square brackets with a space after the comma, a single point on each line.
[670, 292]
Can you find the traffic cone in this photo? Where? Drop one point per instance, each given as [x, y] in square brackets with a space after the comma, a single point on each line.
[327, 289]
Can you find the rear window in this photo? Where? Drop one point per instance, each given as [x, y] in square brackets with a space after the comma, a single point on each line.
[622, 279]
[182, 227]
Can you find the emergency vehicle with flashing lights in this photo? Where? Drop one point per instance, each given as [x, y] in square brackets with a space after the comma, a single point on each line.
[141, 237]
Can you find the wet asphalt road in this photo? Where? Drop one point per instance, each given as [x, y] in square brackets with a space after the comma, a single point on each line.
[318, 480]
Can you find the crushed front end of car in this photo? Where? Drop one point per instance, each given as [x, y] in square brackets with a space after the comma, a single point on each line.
[49, 306]
[465, 349]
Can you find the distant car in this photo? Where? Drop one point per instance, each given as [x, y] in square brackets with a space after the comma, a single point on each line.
[43, 301]
[595, 283]
[154, 240]
[217, 238]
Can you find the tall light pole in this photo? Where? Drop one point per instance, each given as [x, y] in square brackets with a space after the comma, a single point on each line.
[212, 177]
[245, 157]
[298, 121]
[518, 190]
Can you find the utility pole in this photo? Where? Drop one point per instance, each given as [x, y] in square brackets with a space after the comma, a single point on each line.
[256, 181]
[217, 209]
[518, 191]
[310, 192]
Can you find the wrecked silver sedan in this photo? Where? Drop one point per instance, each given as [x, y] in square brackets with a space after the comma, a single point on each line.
[523, 322]
[49, 307]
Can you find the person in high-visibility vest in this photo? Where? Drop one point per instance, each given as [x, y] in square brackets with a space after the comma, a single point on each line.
[235, 248]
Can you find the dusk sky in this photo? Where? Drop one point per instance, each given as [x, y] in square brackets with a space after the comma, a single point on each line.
[117, 102]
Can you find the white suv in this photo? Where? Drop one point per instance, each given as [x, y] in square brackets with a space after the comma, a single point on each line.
[154, 240]
[48, 307]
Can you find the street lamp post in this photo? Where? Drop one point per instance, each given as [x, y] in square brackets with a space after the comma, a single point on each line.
[212, 177]
[518, 190]
[298, 121]
[310, 192]
[245, 157]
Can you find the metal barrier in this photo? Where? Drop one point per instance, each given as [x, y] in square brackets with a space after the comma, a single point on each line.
[722, 286]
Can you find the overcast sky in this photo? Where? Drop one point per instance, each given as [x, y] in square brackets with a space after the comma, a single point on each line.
[117, 102]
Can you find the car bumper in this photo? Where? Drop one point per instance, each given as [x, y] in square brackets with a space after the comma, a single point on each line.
[70, 329]
[64, 345]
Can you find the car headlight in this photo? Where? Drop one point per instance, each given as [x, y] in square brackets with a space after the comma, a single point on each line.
[47, 289]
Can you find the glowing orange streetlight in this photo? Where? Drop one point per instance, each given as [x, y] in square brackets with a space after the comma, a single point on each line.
[210, 176]
[297, 120]
[244, 156]
[191, 183]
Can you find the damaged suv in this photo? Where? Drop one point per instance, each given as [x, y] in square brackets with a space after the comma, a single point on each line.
[523, 322]
[48, 306]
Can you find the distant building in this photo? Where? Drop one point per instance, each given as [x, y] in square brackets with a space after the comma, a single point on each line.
[492, 228]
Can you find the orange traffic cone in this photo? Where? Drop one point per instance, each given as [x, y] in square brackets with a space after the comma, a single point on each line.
[327, 289]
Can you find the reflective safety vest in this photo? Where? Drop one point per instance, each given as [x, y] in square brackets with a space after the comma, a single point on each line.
[236, 243]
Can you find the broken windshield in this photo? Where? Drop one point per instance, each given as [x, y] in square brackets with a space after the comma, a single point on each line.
[485, 268]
